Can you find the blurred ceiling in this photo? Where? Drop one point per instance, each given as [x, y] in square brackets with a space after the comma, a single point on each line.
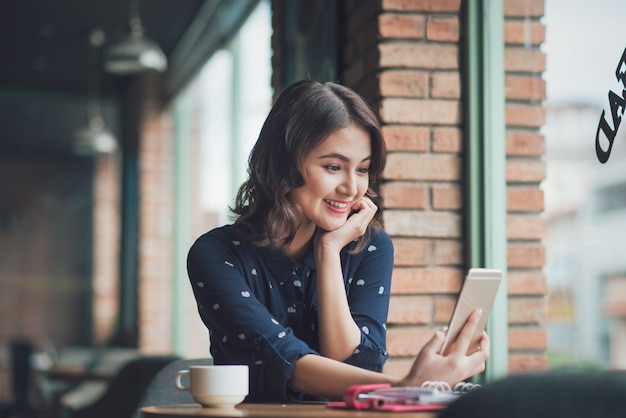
[46, 66]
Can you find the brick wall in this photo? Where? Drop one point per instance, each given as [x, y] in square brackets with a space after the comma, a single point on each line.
[45, 253]
[525, 91]
[156, 183]
[404, 57]
[106, 246]
[157, 278]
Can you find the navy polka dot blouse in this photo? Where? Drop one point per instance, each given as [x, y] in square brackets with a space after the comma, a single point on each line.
[260, 306]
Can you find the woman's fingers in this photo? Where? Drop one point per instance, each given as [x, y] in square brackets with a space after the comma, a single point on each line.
[365, 210]
[485, 343]
[481, 355]
[465, 336]
[354, 227]
[435, 343]
[484, 347]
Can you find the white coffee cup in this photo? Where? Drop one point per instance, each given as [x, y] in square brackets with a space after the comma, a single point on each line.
[217, 386]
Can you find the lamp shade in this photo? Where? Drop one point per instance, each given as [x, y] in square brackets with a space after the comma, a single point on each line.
[95, 138]
[134, 54]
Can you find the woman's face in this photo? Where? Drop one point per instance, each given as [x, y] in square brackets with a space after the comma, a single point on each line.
[336, 176]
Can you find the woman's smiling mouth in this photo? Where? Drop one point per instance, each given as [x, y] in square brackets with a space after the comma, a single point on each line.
[341, 206]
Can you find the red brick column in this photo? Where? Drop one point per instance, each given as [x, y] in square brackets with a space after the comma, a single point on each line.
[525, 115]
[404, 57]
[106, 245]
[156, 206]
[407, 65]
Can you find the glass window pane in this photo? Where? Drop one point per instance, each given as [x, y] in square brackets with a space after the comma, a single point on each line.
[585, 199]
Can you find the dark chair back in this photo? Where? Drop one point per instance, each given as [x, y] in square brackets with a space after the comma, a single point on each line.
[553, 394]
[20, 405]
[161, 390]
[123, 394]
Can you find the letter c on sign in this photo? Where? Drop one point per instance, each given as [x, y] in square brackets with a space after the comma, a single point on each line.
[603, 156]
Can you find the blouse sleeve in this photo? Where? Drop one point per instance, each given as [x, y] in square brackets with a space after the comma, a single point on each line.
[368, 291]
[242, 329]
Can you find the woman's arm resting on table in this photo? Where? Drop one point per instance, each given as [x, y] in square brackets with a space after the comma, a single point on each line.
[321, 376]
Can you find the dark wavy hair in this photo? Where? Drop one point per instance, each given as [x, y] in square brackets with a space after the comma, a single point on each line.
[303, 116]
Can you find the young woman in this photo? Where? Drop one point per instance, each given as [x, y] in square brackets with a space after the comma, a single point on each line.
[298, 286]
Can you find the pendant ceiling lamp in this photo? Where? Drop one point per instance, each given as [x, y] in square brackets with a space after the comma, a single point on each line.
[135, 53]
[95, 137]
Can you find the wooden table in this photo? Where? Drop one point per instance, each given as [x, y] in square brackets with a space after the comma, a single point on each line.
[271, 411]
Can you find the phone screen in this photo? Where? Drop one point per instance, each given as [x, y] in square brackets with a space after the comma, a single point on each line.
[478, 291]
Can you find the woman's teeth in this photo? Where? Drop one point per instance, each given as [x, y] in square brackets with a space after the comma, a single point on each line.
[336, 204]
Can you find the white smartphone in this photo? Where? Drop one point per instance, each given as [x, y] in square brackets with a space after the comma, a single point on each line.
[478, 291]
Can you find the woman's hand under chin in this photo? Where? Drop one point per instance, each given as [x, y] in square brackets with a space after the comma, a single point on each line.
[363, 212]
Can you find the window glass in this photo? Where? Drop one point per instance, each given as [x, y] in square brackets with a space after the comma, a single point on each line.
[236, 94]
[219, 116]
[585, 188]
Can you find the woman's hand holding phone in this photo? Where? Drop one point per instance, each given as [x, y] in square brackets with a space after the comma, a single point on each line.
[457, 365]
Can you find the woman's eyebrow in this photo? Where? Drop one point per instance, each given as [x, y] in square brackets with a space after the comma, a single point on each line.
[342, 157]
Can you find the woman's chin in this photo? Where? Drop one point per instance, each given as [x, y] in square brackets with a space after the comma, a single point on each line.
[329, 227]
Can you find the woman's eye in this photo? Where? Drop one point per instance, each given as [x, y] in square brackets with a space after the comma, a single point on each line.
[364, 170]
[332, 167]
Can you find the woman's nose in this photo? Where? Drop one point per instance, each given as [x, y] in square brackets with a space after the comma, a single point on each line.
[348, 186]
